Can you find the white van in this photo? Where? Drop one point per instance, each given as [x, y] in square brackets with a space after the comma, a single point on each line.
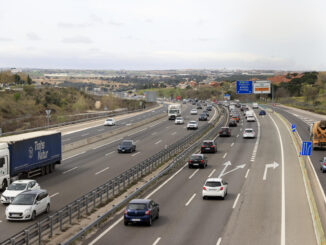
[254, 106]
[249, 114]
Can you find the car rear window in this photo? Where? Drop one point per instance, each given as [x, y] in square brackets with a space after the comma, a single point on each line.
[213, 183]
[196, 157]
[208, 143]
[249, 131]
[137, 206]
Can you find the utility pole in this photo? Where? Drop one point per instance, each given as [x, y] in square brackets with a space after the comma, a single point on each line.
[48, 115]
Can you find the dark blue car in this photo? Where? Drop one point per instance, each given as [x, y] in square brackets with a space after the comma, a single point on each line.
[141, 211]
[262, 113]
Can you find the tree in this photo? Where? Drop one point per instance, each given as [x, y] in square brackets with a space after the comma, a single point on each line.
[310, 93]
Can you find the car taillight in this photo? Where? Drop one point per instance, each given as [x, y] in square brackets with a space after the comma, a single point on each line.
[324, 163]
[212, 146]
[204, 188]
[189, 161]
[221, 189]
[147, 212]
[201, 161]
[202, 146]
[125, 212]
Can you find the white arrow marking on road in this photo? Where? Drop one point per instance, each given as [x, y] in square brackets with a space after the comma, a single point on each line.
[270, 165]
[228, 163]
[237, 167]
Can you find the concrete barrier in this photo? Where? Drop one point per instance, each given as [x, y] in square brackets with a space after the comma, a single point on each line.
[96, 138]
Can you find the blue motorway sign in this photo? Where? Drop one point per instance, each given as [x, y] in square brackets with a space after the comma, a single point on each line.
[293, 128]
[227, 96]
[244, 87]
[306, 148]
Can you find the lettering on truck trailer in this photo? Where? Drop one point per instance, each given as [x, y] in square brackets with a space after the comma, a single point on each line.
[39, 146]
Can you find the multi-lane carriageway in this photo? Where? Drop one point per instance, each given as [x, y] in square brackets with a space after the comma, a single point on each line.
[87, 167]
[263, 206]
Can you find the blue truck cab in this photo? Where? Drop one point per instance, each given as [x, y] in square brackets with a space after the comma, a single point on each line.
[29, 154]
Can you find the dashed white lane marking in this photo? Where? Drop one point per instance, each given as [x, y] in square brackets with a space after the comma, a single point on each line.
[69, 170]
[237, 136]
[240, 129]
[135, 154]
[157, 240]
[102, 170]
[137, 132]
[154, 125]
[173, 133]
[192, 175]
[236, 200]
[191, 198]
[224, 156]
[246, 176]
[73, 156]
[232, 144]
[0, 221]
[100, 130]
[84, 134]
[213, 171]
[219, 241]
[109, 153]
[55, 194]
[167, 126]
[128, 124]
[158, 142]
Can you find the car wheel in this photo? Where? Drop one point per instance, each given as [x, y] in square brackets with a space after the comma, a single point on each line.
[4, 185]
[158, 215]
[125, 222]
[189, 166]
[47, 210]
[204, 197]
[33, 215]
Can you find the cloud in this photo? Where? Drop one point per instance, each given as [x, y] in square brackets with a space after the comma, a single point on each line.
[5, 39]
[33, 36]
[115, 23]
[96, 18]
[77, 39]
[68, 25]
[205, 39]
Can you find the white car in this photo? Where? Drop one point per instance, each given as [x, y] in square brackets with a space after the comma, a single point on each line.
[28, 204]
[16, 188]
[192, 125]
[193, 112]
[109, 122]
[215, 187]
[249, 133]
[251, 119]
[179, 120]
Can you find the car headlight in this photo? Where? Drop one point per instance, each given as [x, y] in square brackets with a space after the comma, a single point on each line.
[28, 211]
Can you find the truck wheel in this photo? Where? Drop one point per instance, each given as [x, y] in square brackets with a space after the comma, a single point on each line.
[4, 185]
[43, 171]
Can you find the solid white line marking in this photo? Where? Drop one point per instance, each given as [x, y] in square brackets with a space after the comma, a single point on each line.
[213, 171]
[65, 140]
[109, 153]
[191, 198]
[135, 154]
[283, 185]
[232, 144]
[102, 171]
[224, 156]
[67, 171]
[219, 241]
[154, 124]
[247, 173]
[84, 134]
[192, 175]
[236, 200]
[55, 194]
[147, 197]
[158, 142]
[173, 133]
[157, 240]
[73, 156]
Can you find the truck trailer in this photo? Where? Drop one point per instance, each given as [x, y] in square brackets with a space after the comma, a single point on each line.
[318, 135]
[28, 155]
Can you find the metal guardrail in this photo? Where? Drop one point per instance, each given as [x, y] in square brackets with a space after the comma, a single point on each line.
[83, 206]
[89, 118]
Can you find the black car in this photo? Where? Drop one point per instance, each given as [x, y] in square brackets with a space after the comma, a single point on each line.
[209, 107]
[198, 160]
[199, 106]
[206, 112]
[202, 117]
[141, 211]
[225, 132]
[208, 146]
[126, 146]
[233, 123]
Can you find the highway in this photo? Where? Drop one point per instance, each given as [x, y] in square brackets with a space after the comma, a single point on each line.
[265, 205]
[90, 166]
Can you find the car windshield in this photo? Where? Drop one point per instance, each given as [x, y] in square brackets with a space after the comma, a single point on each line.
[17, 187]
[213, 183]
[109, 120]
[192, 122]
[126, 143]
[24, 199]
[173, 111]
[136, 206]
[196, 157]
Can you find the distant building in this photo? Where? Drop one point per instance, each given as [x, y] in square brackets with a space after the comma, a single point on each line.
[15, 70]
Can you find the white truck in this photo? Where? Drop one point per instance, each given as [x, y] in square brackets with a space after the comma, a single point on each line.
[254, 105]
[174, 111]
[249, 113]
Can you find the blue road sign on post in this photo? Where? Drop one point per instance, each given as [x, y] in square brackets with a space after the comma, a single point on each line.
[293, 128]
[306, 148]
[244, 87]
[227, 97]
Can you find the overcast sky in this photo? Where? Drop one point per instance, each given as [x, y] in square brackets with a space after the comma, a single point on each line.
[163, 34]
